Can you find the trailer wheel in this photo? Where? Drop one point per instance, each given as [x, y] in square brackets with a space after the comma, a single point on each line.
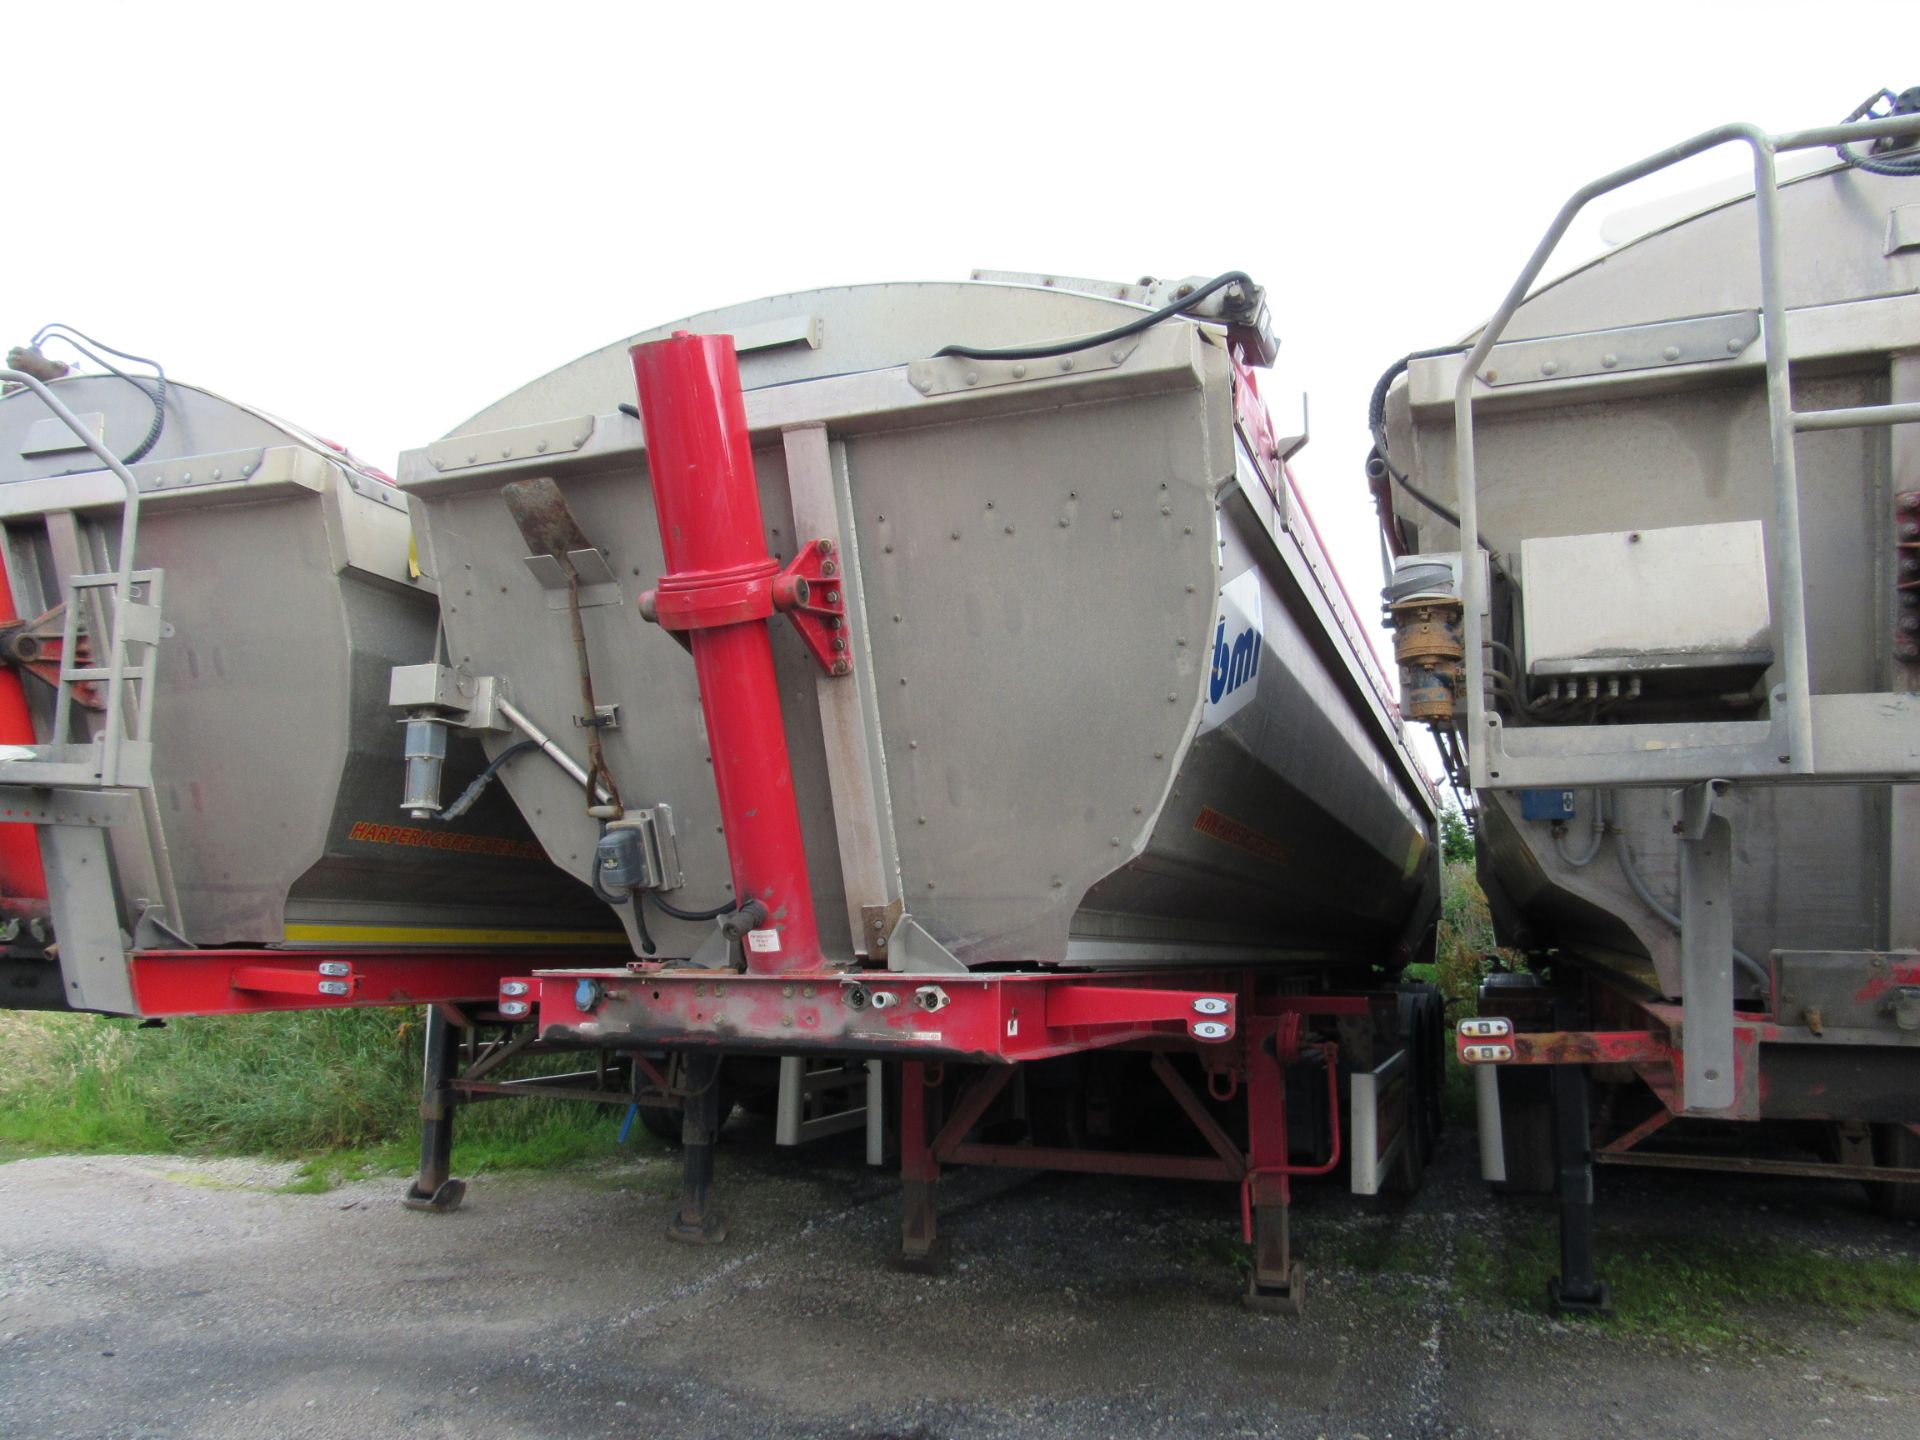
[1896, 1147]
[662, 1122]
[1526, 1130]
[1418, 1009]
[1526, 1095]
[1420, 1013]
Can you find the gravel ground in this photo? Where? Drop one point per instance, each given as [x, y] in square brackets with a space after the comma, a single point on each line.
[160, 1297]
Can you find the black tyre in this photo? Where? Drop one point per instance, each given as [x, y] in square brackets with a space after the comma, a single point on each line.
[1896, 1147]
[662, 1122]
[1419, 1038]
[1526, 1091]
[1526, 1131]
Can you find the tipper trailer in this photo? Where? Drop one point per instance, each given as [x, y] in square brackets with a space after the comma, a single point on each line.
[1677, 673]
[193, 710]
[947, 676]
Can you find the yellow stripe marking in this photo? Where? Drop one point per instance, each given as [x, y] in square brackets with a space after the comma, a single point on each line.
[423, 935]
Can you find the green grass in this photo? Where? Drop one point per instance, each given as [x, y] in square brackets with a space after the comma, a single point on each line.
[1693, 1289]
[337, 1090]
[1687, 1291]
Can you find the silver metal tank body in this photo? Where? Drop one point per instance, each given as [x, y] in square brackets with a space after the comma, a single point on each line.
[1667, 428]
[272, 817]
[1048, 568]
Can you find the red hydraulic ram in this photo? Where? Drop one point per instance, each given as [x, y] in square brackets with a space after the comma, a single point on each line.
[719, 590]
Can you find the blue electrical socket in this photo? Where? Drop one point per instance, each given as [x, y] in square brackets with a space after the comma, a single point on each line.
[1546, 804]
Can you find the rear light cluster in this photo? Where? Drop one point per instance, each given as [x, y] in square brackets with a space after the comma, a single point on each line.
[516, 998]
[1484, 1029]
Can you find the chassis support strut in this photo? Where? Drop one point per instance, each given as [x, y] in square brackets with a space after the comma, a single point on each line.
[697, 1222]
[1264, 1170]
[921, 1249]
[434, 1188]
[1575, 1290]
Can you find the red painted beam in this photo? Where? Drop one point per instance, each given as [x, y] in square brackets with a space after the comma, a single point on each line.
[1490, 1040]
[1072, 1006]
[236, 982]
[976, 1018]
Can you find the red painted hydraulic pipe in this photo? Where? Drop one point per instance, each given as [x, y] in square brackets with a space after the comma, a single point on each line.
[715, 545]
[22, 876]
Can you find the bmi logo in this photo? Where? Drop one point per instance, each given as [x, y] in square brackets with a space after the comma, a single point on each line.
[1238, 639]
[1232, 666]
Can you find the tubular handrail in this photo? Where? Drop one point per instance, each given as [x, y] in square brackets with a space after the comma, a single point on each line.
[1789, 571]
[123, 576]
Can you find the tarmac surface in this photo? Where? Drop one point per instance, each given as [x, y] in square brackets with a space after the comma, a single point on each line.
[184, 1300]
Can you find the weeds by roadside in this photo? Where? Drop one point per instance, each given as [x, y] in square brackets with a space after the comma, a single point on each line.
[338, 1090]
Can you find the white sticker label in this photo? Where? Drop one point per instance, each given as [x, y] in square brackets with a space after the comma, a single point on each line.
[1233, 656]
[763, 942]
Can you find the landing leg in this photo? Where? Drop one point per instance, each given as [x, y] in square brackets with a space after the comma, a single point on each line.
[1575, 1291]
[921, 1248]
[697, 1222]
[434, 1188]
[1279, 1283]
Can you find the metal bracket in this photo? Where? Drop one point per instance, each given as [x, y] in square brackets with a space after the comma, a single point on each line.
[1706, 947]
[810, 591]
[470, 701]
[877, 923]
[36, 648]
[597, 584]
[911, 948]
[659, 848]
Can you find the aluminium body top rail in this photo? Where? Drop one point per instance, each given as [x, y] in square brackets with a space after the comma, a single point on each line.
[123, 611]
[1668, 753]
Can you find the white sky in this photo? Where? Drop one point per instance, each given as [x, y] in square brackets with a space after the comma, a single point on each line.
[373, 220]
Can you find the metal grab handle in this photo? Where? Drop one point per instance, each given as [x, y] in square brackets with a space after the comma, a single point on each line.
[123, 578]
[1790, 577]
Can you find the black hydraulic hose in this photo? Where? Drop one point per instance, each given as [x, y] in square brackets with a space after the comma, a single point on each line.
[1377, 425]
[472, 793]
[695, 915]
[1175, 307]
[1610, 814]
[158, 395]
[1902, 164]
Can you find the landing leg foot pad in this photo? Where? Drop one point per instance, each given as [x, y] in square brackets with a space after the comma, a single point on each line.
[1287, 1299]
[924, 1260]
[709, 1229]
[1599, 1303]
[443, 1201]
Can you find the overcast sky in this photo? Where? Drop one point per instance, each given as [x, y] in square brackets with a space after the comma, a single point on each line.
[374, 220]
